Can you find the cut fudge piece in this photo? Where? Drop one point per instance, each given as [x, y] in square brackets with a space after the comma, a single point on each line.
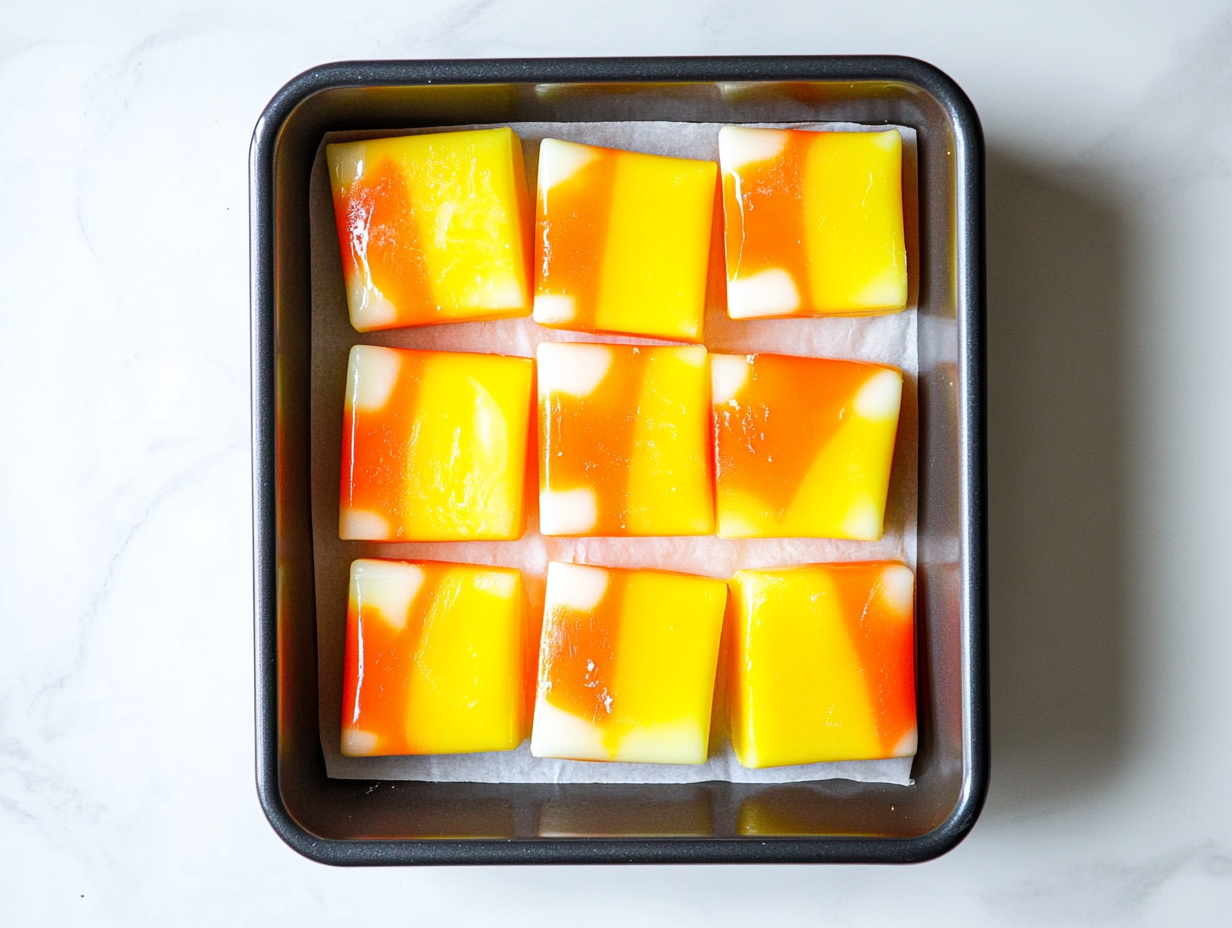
[802, 445]
[623, 440]
[435, 659]
[814, 222]
[434, 445]
[433, 228]
[622, 241]
[822, 663]
[626, 665]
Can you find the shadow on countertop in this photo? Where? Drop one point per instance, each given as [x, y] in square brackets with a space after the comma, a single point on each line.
[1056, 332]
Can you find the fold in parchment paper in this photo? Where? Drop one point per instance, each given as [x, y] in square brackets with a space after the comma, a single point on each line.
[888, 339]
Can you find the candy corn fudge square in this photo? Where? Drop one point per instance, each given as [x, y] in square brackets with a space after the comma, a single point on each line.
[803, 446]
[626, 665]
[822, 663]
[433, 228]
[434, 445]
[622, 241]
[623, 440]
[814, 222]
[435, 659]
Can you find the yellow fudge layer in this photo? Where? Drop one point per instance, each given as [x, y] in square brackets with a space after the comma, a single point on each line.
[627, 662]
[623, 440]
[822, 663]
[622, 241]
[433, 228]
[435, 659]
[814, 222]
[803, 446]
[434, 445]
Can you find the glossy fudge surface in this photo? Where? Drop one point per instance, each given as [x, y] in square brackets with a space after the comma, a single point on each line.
[814, 222]
[822, 663]
[623, 440]
[433, 228]
[434, 445]
[622, 241]
[803, 446]
[627, 663]
[435, 659]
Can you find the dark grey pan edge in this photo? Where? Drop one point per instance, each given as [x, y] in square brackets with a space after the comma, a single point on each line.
[969, 159]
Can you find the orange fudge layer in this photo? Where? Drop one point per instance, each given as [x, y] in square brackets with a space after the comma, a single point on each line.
[623, 443]
[627, 662]
[435, 659]
[803, 446]
[433, 228]
[814, 222]
[822, 663]
[622, 241]
[434, 445]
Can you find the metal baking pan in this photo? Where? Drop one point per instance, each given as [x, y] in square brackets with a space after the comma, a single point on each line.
[363, 822]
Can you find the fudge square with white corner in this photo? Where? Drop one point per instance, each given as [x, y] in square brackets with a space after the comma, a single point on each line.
[624, 444]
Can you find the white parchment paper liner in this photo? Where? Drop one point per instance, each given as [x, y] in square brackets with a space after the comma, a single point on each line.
[887, 339]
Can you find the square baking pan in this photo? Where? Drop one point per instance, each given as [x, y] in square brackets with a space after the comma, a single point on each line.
[341, 821]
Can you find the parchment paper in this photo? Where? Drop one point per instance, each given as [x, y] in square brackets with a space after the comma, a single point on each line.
[887, 339]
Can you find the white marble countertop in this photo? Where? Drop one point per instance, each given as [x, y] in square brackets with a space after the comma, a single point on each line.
[126, 732]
